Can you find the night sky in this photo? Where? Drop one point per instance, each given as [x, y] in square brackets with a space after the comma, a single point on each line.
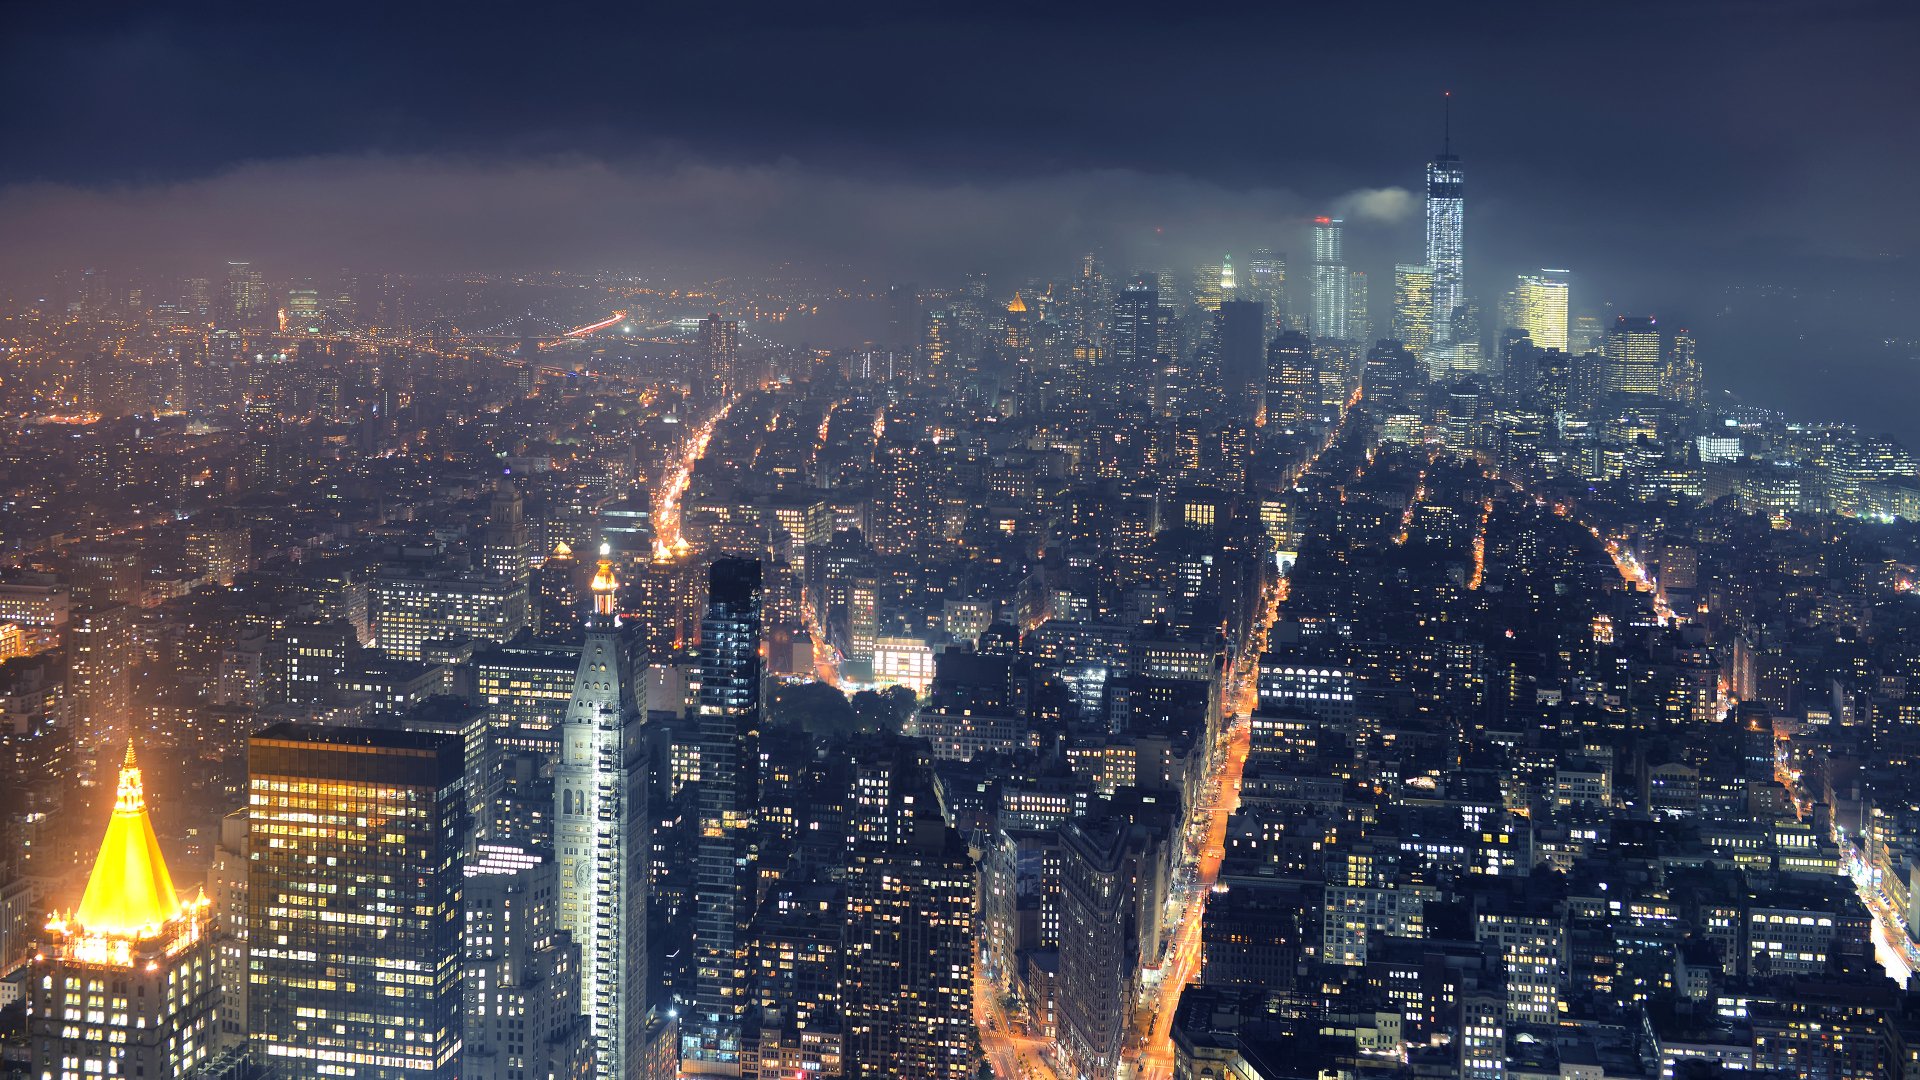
[1747, 166]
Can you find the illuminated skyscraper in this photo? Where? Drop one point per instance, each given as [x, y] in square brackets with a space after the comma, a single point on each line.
[505, 549]
[1413, 306]
[246, 294]
[1330, 282]
[1267, 282]
[1684, 382]
[303, 310]
[902, 519]
[1540, 308]
[1392, 379]
[727, 663]
[124, 985]
[1446, 228]
[1466, 405]
[197, 298]
[1212, 284]
[221, 553]
[798, 959]
[600, 835]
[909, 943]
[1080, 385]
[1633, 354]
[525, 690]
[1133, 337]
[720, 356]
[1293, 380]
[1359, 308]
[1018, 351]
[557, 601]
[936, 343]
[1100, 941]
[412, 607]
[1018, 337]
[353, 901]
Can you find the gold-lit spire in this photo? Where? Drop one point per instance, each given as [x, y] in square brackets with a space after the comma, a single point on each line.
[1018, 307]
[605, 585]
[562, 550]
[130, 893]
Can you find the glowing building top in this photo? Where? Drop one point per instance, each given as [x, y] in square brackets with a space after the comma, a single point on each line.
[130, 896]
[605, 586]
[135, 937]
[130, 892]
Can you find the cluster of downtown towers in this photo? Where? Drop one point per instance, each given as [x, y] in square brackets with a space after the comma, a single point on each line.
[550, 939]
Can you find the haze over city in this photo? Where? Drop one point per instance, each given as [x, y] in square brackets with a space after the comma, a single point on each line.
[1667, 153]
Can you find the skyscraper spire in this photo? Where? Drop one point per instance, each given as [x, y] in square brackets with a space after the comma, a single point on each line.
[606, 587]
[130, 893]
[1446, 244]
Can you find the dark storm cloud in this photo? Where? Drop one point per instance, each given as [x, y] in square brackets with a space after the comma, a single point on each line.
[1661, 148]
[1717, 121]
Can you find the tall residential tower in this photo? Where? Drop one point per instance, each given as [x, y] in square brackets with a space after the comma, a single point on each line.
[727, 662]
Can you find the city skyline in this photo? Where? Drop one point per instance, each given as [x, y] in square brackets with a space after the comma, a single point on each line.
[979, 544]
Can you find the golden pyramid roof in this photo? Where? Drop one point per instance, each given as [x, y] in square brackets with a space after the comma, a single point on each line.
[129, 892]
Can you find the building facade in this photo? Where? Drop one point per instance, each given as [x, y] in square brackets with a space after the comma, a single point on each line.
[601, 835]
[353, 901]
